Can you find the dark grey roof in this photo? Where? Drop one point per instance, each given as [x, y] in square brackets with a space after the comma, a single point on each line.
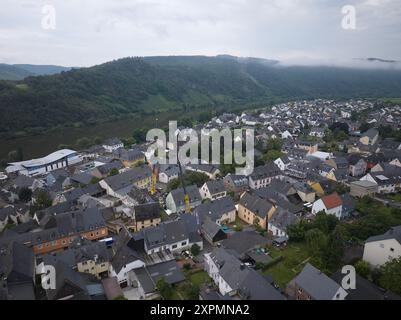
[282, 219]
[178, 195]
[147, 211]
[242, 242]
[6, 212]
[16, 262]
[150, 275]
[214, 210]
[82, 178]
[106, 168]
[249, 284]
[365, 290]
[266, 171]
[371, 133]
[316, 283]
[216, 186]
[393, 233]
[256, 204]
[210, 228]
[128, 177]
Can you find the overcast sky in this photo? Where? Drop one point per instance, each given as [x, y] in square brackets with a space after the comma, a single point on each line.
[90, 32]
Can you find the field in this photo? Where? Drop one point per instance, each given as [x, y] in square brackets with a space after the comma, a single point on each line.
[295, 256]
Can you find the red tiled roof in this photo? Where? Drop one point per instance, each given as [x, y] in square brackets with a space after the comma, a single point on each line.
[332, 201]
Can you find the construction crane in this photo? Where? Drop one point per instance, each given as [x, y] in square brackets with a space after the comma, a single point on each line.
[186, 195]
[155, 173]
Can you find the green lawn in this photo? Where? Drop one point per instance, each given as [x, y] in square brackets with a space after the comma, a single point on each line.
[199, 278]
[294, 256]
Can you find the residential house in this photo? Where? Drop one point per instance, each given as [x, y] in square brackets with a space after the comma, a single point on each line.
[210, 170]
[313, 284]
[253, 209]
[282, 162]
[175, 200]
[221, 211]
[262, 176]
[234, 279]
[147, 277]
[104, 170]
[112, 144]
[363, 188]
[305, 192]
[370, 137]
[124, 259]
[364, 289]
[279, 222]
[330, 204]
[17, 271]
[168, 173]
[213, 190]
[357, 165]
[130, 158]
[119, 185]
[383, 248]
[236, 183]
[173, 236]
[212, 232]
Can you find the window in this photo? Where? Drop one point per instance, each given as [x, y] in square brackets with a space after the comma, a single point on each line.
[174, 246]
[392, 249]
[184, 243]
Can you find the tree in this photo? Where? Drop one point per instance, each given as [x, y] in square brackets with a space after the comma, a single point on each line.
[271, 155]
[165, 289]
[121, 297]
[83, 143]
[362, 268]
[14, 156]
[113, 172]
[391, 276]
[25, 194]
[195, 250]
[139, 135]
[296, 232]
[191, 291]
[316, 240]
[333, 251]
[43, 200]
[325, 222]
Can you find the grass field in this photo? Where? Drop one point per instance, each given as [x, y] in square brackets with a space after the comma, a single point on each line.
[295, 256]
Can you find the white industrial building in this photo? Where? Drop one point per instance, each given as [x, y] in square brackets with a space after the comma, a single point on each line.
[56, 160]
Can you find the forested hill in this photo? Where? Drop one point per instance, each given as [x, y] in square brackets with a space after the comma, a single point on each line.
[131, 85]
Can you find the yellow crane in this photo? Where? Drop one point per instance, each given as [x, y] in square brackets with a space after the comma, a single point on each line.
[155, 173]
[186, 195]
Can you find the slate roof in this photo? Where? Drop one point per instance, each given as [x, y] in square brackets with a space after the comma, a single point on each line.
[393, 233]
[256, 204]
[282, 219]
[214, 210]
[266, 171]
[216, 186]
[128, 177]
[179, 196]
[242, 242]
[316, 283]
[365, 290]
[249, 284]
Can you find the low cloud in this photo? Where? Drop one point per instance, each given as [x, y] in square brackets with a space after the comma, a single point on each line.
[90, 32]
